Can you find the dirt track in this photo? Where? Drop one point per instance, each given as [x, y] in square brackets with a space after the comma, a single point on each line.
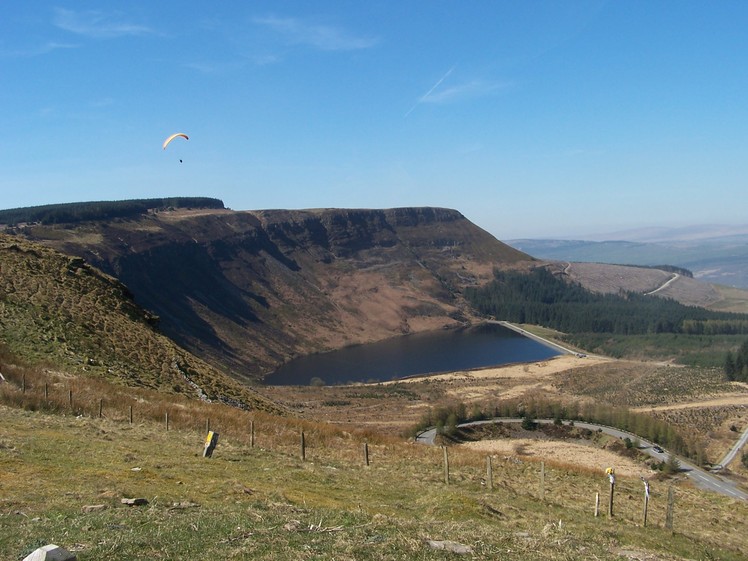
[566, 453]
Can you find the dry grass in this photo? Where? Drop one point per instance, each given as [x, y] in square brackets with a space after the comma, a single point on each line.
[264, 502]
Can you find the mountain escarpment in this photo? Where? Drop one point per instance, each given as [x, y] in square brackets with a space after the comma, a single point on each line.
[249, 290]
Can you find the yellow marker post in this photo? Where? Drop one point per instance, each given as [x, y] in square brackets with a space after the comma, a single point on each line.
[210, 444]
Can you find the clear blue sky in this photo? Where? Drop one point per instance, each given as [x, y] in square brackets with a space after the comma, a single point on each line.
[532, 118]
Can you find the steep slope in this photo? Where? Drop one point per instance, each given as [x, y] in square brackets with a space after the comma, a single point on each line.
[58, 311]
[249, 290]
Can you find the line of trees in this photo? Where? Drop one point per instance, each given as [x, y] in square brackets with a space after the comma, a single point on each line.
[736, 366]
[541, 298]
[100, 210]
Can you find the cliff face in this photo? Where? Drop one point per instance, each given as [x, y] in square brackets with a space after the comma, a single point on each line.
[249, 290]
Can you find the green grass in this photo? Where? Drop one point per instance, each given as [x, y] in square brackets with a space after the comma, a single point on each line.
[265, 503]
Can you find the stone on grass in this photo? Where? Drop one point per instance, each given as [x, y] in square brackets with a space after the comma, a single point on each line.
[452, 547]
[135, 502]
[51, 552]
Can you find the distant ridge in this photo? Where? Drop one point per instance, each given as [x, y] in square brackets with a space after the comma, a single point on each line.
[100, 210]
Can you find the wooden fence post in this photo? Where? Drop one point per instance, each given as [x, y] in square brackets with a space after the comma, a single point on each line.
[366, 453]
[542, 481]
[101, 408]
[303, 447]
[23, 384]
[207, 425]
[446, 464]
[489, 473]
[670, 508]
[167, 420]
[70, 399]
[252, 434]
[130, 414]
[597, 504]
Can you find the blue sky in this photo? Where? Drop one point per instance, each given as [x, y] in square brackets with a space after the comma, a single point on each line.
[534, 119]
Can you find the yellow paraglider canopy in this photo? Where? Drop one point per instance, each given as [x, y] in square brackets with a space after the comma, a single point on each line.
[173, 136]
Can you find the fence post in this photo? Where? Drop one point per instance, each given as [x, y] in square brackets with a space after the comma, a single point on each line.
[489, 473]
[101, 408]
[46, 391]
[303, 447]
[130, 414]
[23, 384]
[167, 420]
[252, 434]
[646, 502]
[70, 399]
[542, 481]
[597, 504]
[670, 508]
[366, 453]
[446, 464]
[207, 425]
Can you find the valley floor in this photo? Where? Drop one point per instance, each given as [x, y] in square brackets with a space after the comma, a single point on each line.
[715, 410]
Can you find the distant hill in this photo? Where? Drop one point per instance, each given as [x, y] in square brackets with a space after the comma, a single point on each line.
[69, 213]
[714, 255]
[58, 311]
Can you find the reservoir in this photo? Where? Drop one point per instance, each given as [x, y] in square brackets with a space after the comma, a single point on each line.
[447, 350]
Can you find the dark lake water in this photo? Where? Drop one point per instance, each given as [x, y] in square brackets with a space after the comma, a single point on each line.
[422, 353]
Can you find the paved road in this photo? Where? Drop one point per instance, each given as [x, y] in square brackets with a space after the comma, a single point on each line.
[698, 476]
[730, 456]
[534, 337]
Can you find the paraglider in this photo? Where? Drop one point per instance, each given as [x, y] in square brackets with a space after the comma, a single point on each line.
[173, 136]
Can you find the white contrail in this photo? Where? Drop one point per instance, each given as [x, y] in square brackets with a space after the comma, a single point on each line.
[428, 93]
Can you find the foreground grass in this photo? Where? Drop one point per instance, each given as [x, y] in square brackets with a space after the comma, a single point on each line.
[261, 503]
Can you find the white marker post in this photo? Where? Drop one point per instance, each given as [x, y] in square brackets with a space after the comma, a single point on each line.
[612, 477]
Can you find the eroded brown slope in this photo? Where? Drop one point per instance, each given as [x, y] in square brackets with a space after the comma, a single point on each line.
[249, 290]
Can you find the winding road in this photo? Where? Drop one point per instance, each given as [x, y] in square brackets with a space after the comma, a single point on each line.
[699, 477]
[665, 285]
[730, 456]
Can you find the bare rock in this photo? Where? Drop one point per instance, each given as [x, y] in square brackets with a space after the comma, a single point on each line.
[50, 552]
[93, 508]
[452, 547]
[135, 502]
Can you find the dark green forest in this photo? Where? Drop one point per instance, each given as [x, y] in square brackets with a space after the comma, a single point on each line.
[736, 366]
[68, 213]
[541, 298]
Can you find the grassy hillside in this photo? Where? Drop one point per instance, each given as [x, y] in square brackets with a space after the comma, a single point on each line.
[59, 312]
[64, 476]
